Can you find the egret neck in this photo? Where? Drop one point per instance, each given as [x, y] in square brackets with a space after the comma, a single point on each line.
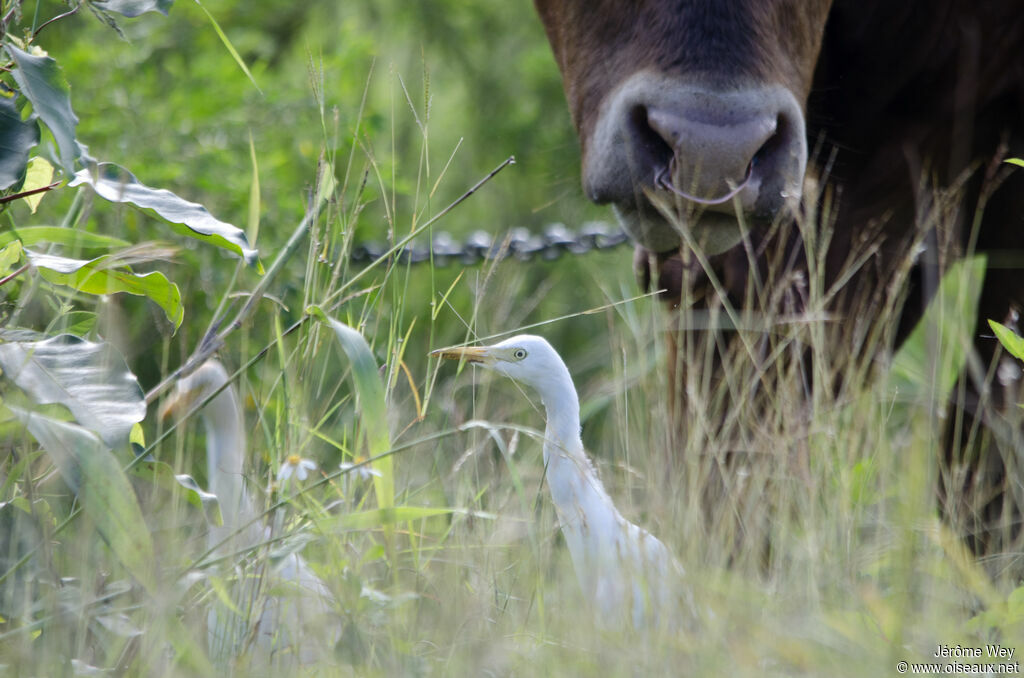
[225, 439]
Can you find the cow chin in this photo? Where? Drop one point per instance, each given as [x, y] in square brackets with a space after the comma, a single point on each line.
[712, 232]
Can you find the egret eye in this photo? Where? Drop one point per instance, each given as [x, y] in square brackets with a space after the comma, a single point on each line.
[519, 353]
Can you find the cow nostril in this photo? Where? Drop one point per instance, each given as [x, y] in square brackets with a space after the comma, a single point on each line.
[767, 154]
[651, 149]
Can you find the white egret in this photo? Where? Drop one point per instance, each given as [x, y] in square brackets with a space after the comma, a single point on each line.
[622, 568]
[291, 624]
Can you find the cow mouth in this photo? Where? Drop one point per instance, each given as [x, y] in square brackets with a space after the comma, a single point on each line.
[706, 222]
[663, 179]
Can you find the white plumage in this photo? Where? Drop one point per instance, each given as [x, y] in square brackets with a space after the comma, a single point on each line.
[294, 621]
[622, 568]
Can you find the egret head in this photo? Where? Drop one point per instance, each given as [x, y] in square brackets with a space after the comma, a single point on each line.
[526, 358]
[195, 388]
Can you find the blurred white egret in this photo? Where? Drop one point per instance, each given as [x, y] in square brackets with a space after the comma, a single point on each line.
[622, 568]
[290, 625]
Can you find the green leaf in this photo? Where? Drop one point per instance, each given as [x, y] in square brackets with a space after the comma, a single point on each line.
[92, 472]
[94, 277]
[38, 175]
[41, 81]
[134, 8]
[68, 237]
[90, 379]
[161, 474]
[9, 256]
[14, 474]
[252, 227]
[116, 184]
[1002, 615]
[1015, 161]
[137, 437]
[928, 364]
[17, 137]
[325, 185]
[79, 323]
[1009, 339]
[373, 410]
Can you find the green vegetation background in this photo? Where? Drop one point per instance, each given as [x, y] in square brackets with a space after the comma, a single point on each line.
[448, 83]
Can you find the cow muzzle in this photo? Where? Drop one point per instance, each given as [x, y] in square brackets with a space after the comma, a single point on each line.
[674, 157]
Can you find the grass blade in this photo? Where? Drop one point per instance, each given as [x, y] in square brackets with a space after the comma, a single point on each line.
[231, 48]
[372, 408]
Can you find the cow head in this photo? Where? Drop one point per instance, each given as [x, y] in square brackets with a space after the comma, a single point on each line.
[689, 110]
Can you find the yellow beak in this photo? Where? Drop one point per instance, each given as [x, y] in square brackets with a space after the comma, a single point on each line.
[177, 404]
[471, 354]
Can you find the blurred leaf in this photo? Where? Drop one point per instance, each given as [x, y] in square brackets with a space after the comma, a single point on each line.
[223, 595]
[252, 227]
[69, 237]
[119, 624]
[17, 137]
[9, 256]
[373, 410]
[92, 471]
[43, 84]
[863, 483]
[39, 175]
[161, 474]
[375, 552]
[290, 545]
[1007, 617]
[90, 379]
[79, 323]
[326, 185]
[93, 277]
[1015, 161]
[137, 436]
[13, 475]
[1009, 339]
[20, 503]
[928, 364]
[231, 48]
[134, 8]
[116, 184]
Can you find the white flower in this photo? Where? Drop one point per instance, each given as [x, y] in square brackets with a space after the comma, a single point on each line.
[297, 466]
[364, 471]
